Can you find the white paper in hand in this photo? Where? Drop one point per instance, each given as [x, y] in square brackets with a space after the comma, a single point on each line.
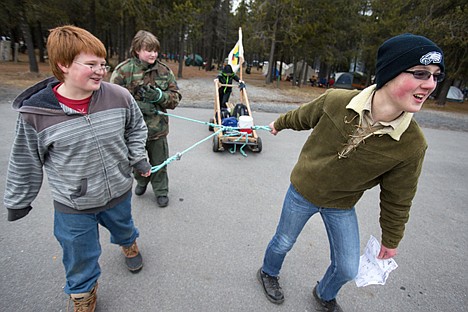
[373, 271]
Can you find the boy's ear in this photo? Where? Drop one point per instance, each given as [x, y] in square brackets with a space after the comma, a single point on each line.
[63, 68]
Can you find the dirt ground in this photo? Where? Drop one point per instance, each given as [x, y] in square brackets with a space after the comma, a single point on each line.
[17, 76]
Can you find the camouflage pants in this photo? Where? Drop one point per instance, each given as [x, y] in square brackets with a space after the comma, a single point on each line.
[158, 152]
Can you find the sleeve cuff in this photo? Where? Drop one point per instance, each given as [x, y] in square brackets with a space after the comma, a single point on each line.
[16, 214]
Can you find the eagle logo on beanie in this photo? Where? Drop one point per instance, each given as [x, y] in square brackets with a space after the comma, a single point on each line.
[431, 57]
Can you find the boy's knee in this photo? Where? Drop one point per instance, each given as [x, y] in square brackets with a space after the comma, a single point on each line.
[349, 272]
[282, 244]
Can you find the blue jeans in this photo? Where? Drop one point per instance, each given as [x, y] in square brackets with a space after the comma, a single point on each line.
[343, 237]
[78, 234]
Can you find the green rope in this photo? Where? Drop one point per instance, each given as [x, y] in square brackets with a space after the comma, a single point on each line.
[178, 156]
[230, 131]
[266, 128]
[232, 150]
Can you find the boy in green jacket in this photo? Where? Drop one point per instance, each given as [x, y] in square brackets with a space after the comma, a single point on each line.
[335, 167]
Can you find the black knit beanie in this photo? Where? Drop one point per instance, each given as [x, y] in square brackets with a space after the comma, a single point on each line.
[405, 51]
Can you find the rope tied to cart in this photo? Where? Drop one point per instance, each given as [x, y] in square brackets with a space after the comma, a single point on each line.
[230, 131]
[241, 135]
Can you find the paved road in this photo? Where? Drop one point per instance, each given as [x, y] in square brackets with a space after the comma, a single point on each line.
[202, 252]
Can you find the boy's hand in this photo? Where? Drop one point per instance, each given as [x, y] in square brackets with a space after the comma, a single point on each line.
[386, 253]
[272, 127]
[16, 214]
[150, 94]
[146, 174]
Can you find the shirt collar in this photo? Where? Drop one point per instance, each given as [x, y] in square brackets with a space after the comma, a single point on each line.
[143, 64]
[362, 103]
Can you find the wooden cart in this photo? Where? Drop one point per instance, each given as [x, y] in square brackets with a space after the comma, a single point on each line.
[224, 139]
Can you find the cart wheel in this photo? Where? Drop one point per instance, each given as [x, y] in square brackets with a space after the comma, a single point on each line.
[215, 144]
[210, 127]
[257, 148]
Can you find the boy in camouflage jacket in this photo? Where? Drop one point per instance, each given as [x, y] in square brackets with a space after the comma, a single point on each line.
[154, 87]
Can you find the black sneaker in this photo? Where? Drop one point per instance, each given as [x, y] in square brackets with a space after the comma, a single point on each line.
[271, 287]
[162, 201]
[327, 306]
[140, 190]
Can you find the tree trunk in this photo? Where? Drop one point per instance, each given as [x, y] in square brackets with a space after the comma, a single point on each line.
[40, 42]
[301, 73]
[280, 71]
[442, 94]
[306, 74]
[15, 38]
[294, 76]
[212, 33]
[271, 66]
[181, 50]
[120, 42]
[33, 67]
[92, 18]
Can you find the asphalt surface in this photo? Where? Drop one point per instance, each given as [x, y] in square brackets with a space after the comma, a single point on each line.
[201, 253]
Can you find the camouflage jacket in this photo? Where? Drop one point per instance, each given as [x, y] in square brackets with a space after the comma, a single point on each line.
[133, 74]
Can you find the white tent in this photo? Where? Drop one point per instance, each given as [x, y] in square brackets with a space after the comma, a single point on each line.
[455, 94]
[278, 64]
[290, 70]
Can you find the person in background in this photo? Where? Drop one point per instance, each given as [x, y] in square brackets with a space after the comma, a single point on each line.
[331, 82]
[154, 87]
[88, 135]
[313, 81]
[227, 77]
[335, 167]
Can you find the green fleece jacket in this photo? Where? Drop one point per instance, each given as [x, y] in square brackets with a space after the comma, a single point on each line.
[328, 181]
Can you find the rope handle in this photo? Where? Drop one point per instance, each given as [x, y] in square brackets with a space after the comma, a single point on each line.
[222, 128]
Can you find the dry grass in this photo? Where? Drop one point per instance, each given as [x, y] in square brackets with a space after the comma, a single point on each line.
[17, 75]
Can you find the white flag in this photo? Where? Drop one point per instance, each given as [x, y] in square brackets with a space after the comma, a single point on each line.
[236, 56]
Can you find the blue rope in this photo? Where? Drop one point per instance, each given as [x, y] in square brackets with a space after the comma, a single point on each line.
[230, 131]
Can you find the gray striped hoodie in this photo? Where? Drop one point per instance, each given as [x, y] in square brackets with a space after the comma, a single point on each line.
[88, 158]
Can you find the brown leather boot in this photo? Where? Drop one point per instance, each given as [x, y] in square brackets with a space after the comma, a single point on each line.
[133, 258]
[85, 302]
